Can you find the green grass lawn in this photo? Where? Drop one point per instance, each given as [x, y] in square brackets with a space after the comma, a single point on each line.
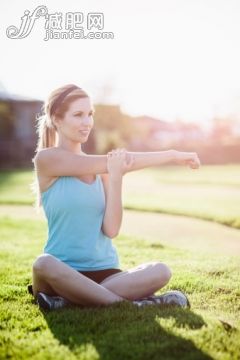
[211, 192]
[209, 330]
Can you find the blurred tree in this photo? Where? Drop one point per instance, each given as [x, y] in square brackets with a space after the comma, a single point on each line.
[222, 130]
[112, 128]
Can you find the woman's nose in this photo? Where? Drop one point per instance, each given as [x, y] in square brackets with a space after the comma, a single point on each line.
[87, 121]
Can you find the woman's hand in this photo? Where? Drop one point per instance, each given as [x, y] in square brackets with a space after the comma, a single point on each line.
[187, 158]
[119, 161]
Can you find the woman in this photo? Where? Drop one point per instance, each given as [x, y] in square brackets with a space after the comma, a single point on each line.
[81, 197]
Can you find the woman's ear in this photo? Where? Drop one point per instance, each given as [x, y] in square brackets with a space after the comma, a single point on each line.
[55, 122]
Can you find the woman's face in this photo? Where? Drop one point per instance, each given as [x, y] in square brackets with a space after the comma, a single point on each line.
[78, 120]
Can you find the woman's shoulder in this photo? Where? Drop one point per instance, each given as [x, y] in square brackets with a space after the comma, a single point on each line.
[44, 180]
[45, 152]
[45, 161]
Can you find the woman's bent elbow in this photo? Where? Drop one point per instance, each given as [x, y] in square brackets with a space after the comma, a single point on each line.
[111, 234]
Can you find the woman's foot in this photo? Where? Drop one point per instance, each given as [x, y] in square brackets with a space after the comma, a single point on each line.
[48, 302]
[172, 298]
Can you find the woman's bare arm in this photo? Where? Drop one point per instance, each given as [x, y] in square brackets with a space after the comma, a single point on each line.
[142, 160]
[117, 165]
[59, 162]
[113, 212]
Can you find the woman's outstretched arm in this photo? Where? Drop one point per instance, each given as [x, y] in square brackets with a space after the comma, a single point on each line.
[142, 160]
[59, 162]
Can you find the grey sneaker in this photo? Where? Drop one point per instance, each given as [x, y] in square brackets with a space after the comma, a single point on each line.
[172, 298]
[48, 302]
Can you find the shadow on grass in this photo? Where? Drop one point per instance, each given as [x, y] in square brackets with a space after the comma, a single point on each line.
[123, 331]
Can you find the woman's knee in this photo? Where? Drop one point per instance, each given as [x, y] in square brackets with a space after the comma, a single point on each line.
[162, 272]
[42, 263]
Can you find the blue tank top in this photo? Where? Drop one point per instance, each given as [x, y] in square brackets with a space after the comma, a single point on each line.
[75, 210]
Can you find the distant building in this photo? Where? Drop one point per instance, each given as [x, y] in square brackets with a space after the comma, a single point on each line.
[17, 129]
[154, 133]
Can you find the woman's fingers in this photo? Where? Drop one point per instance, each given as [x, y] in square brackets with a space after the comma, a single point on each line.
[120, 158]
[117, 152]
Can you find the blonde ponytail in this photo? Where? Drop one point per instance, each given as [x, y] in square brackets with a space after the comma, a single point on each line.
[47, 134]
[47, 137]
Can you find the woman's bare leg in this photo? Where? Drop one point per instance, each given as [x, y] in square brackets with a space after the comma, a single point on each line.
[69, 283]
[140, 281]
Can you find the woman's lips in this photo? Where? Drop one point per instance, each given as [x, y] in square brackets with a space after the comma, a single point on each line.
[84, 132]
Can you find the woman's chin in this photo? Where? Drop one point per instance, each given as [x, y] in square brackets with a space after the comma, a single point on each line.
[83, 139]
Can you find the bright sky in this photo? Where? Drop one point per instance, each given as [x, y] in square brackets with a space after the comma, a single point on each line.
[169, 58]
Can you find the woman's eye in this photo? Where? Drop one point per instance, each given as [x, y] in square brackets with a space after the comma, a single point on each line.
[91, 114]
